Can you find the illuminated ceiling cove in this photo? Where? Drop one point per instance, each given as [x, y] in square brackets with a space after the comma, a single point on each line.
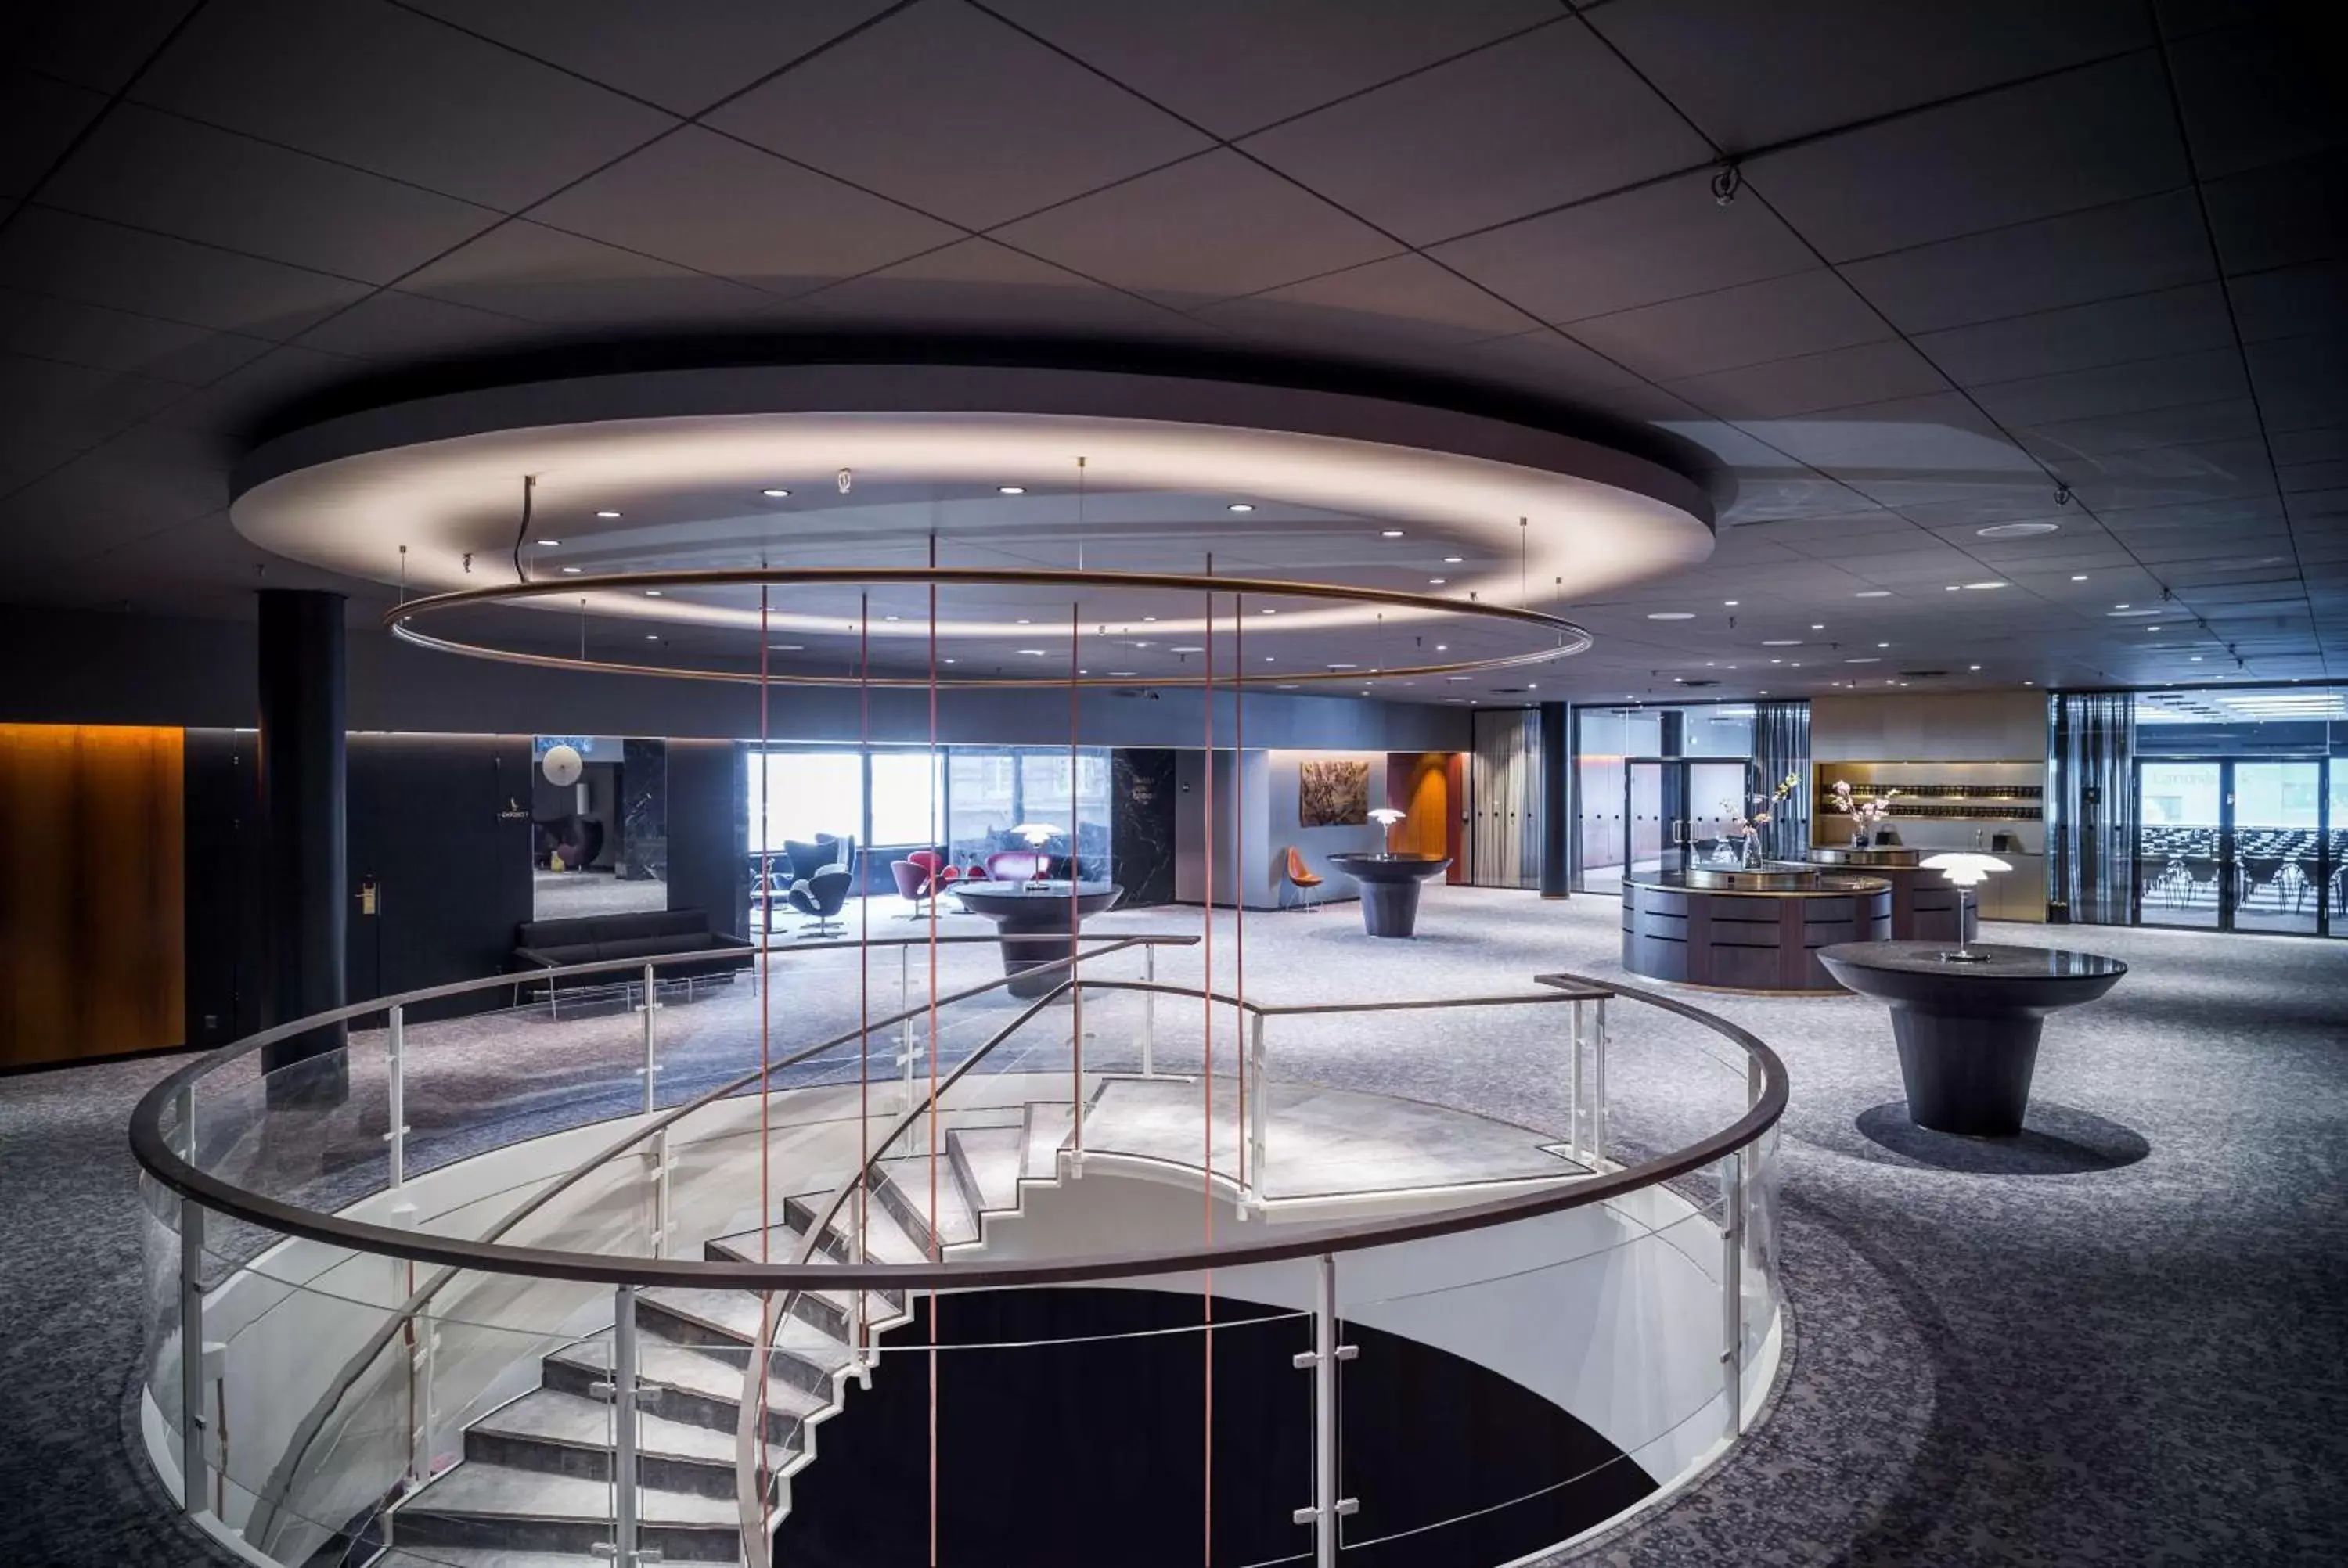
[867, 465]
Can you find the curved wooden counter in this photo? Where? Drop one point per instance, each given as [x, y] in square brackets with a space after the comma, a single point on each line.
[1745, 940]
[1925, 905]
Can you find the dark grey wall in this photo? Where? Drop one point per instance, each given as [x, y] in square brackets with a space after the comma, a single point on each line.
[1142, 833]
[441, 823]
[92, 668]
[708, 820]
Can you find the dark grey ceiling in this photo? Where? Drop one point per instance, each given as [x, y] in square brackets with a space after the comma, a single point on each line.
[1980, 252]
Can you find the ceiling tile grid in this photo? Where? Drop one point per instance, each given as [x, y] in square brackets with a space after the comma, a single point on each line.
[2008, 263]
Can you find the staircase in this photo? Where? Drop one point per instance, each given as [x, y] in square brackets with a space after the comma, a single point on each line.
[533, 1489]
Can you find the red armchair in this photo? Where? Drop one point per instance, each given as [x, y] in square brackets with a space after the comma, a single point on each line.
[922, 875]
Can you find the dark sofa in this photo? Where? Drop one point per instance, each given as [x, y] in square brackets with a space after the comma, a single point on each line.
[664, 934]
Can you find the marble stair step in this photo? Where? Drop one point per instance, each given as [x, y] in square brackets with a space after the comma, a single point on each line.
[988, 1161]
[491, 1557]
[908, 1187]
[491, 1506]
[1049, 1128]
[551, 1419]
[885, 1239]
[697, 1387]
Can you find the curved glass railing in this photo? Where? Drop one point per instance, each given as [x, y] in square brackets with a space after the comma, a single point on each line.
[601, 1279]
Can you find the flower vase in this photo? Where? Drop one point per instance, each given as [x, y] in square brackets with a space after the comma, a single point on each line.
[1859, 838]
[1751, 855]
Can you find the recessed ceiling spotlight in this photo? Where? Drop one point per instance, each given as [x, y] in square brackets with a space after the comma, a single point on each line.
[1532, 685]
[2030, 682]
[1285, 686]
[571, 570]
[651, 593]
[773, 495]
[1817, 626]
[1453, 560]
[2125, 613]
[788, 647]
[2119, 607]
[1671, 615]
[1776, 662]
[1458, 677]
[1032, 652]
[1270, 660]
[1345, 667]
[1025, 621]
[2016, 530]
[1952, 588]
[1436, 581]
[2197, 659]
[948, 661]
[1781, 642]
[607, 514]
[1267, 612]
[1979, 587]
[651, 637]
[1868, 660]
[2078, 576]
[1972, 666]
[1872, 593]
[1389, 533]
[1187, 650]
[550, 544]
[1150, 618]
[1010, 489]
[888, 618]
[1240, 506]
[1121, 674]
[1443, 648]
[1729, 602]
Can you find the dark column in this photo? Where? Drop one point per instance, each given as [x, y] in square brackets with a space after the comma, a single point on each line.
[304, 881]
[1556, 824]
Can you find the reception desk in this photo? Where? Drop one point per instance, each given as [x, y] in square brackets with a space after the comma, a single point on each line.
[1749, 931]
[1926, 906]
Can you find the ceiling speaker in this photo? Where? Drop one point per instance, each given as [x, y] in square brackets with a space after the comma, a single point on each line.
[563, 765]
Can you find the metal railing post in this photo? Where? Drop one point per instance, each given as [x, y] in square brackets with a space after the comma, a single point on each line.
[623, 1423]
[1149, 1010]
[396, 1037]
[1573, 1088]
[1732, 1289]
[1259, 1111]
[1076, 1088]
[1598, 1092]
[656, 1163]
[193, 1467]
[1323, 1359]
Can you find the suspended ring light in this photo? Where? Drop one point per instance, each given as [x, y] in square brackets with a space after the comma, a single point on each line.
[1560, 638]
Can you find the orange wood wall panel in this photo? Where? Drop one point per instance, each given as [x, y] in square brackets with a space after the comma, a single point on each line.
[92, 927]
[1419, 784]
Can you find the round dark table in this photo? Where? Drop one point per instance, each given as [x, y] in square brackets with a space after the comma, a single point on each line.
[1033, 925]
[1967, 1033]
[1390, 888]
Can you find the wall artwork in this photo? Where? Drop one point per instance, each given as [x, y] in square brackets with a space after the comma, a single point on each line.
[1332, 793]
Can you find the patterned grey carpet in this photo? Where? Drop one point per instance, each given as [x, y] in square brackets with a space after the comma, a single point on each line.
[2118, 1340]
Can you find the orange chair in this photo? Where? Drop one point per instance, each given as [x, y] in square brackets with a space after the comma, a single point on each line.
[1306, 882]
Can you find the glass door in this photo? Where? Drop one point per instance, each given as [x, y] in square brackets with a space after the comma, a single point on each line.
[2335, 848]
[2180, 844]
[1716, 798]
[1647, 841]
[2278, 876]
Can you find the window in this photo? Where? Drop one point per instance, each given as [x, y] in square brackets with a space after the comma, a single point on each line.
[803, 793]
[908, 796]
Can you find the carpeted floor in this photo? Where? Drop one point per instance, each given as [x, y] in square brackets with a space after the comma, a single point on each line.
[2118, 1340]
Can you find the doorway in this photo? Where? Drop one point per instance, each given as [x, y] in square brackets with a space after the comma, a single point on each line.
[1678, 811]
[2239, 844]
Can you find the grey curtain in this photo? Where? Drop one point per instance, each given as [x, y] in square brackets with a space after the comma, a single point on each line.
[1781, 746]
[2091, 809]
[1504, 788]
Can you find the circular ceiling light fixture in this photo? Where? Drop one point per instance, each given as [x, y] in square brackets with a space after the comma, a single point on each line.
[1389, 533]
[1872, 593]
[550, 544]
[1010, 489]
[1671, 615]
[773, 495]
[1983, 586]
[1781, 642]
[607, 514]
[1556, 638]
[2125, 613]
[2016, 530]
[1240, 506]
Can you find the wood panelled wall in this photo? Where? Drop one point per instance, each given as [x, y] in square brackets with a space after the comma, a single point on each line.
[92, 961]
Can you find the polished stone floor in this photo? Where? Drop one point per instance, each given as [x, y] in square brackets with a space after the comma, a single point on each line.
[2117, 1339]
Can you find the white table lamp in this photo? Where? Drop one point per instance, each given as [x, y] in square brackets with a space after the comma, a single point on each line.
[1385, 816]
[1037, 834]
[1967, 869]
